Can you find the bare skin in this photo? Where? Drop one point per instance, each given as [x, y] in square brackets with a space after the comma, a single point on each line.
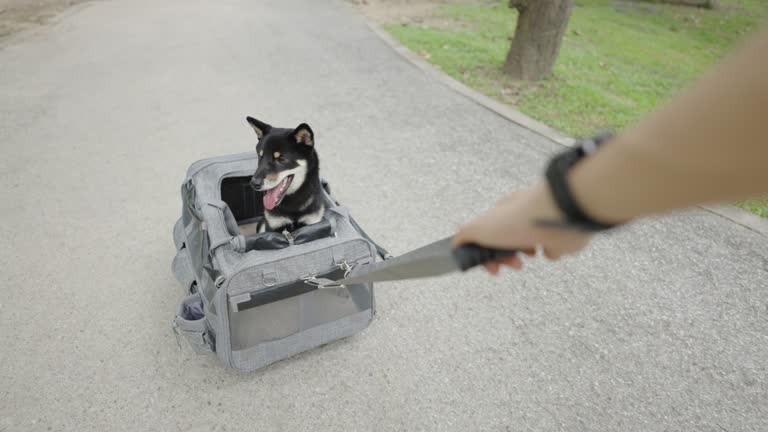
[709, 144]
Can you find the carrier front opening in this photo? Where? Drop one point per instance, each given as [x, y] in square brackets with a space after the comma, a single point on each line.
[245, 202]
[247, 207]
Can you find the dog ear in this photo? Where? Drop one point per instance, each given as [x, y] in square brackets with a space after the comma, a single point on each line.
[261, 128]
[304, 135]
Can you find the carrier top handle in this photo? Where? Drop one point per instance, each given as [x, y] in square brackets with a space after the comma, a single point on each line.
[471, 255]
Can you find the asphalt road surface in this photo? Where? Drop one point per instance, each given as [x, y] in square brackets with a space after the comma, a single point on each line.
[662, 325]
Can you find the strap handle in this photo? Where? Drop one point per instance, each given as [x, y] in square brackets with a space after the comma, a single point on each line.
[471, 255]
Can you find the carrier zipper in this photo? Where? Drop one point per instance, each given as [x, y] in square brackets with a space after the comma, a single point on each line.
[283, 291]
[257, 256]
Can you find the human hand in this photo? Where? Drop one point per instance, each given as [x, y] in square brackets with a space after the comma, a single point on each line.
[513, 224]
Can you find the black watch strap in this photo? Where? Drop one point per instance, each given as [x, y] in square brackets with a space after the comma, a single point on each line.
[556, 174]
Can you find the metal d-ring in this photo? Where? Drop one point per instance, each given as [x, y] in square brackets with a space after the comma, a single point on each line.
[344, 265]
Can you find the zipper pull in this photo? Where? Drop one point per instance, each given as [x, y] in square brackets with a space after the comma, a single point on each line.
[289, 236]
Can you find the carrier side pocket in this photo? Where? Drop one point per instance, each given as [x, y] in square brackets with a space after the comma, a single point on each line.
[190, 323]
[182, 269]
[178, 234]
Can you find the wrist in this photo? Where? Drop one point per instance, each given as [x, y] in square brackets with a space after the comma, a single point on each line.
[587, 191]
[559, 182]
[598, 184]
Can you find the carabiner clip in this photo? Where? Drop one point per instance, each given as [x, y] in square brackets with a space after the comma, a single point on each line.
[321, 282]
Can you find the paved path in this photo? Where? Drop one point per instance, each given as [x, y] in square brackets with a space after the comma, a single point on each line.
[660, 326]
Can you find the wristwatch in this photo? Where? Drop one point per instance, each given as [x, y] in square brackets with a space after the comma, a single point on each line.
[556, 174]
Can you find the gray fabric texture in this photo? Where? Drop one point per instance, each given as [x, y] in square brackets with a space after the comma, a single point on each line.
[182, 269]
[245, 330]
[269, 352]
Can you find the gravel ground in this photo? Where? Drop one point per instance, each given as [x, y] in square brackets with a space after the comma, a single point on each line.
[17, 15]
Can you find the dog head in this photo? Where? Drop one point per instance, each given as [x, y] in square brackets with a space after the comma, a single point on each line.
[286, 158]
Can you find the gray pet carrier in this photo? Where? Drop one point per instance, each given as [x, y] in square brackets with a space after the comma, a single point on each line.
[247, 295]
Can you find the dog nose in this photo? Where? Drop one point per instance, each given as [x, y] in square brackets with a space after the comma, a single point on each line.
[257, 183]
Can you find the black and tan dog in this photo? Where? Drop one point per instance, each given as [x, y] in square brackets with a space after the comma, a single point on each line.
[288, 174]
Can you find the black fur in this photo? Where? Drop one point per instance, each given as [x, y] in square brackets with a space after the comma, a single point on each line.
[293, 145]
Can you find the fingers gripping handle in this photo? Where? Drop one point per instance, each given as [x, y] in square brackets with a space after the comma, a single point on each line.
[471, 255]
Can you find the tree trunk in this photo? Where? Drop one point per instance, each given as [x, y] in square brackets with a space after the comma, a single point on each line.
[538, 35]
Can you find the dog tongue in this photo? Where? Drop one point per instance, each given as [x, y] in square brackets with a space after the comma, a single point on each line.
[272, 196]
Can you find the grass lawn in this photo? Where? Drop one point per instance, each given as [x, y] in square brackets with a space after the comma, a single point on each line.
[618, 61]
[756, 206]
